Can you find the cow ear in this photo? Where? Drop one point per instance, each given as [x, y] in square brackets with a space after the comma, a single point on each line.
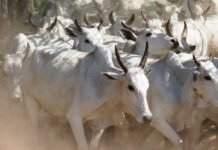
[23, 55]
[112, 76]
[196, 75]
[129, 35]
[70, 32]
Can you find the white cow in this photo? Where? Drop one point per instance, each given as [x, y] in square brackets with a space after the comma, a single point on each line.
[84, 39]
[160, 43]
[207, 18]
[175, 92]
[76, 90]
[191, 31]
[207, 107]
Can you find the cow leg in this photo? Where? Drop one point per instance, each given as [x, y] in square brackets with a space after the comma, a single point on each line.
[32, 108]
[76, 124]
[195, 132]
[163, 126]
[96, 135]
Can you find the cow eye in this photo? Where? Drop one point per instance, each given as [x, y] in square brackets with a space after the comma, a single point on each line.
[87, 41]
[131, 88]
[207, 78]
[148, 34]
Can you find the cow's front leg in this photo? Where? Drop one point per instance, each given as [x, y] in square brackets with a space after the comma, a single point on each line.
[164, 127]
[76, 124]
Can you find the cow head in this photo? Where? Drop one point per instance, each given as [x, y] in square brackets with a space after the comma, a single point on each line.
[133, 85]
[116, 23]
[205, 79]
[159, 42]
[87, 38]
[11, 65]
[183, 46]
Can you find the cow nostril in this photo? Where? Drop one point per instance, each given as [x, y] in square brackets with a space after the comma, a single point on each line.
[172, 40]
[177, 52]
[146, 119]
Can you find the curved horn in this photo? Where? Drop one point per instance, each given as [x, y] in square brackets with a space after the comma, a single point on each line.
[78, 26]
[168, 31]
[144, 18]
[86, 20]
[101, 22]
[133, 29]
[52, 25]
[206, 11]
[131, 20]
[190, 8]
[159, 4]
[196, 61]
[185, 30]
[211, 57]
[145, 56]
[111, 17]
[120, 61]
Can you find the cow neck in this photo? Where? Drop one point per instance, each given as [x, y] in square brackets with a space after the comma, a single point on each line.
[103, 56]
[189, 98]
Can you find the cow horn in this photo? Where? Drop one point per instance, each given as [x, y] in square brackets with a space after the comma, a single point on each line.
[78, 26]
[159, 4]
[196, 61]
[120, 61]
[133, 29]
[111, 17]
[131, 20]
[52, 25]
[86, 20]
[144, 18]
[101, 22]
[206, 11]
[211, 58]
[168, 31]
[190, 8]
[185, 30]
[145, 56]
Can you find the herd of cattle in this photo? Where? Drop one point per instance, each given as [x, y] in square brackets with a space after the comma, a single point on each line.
[164, 74]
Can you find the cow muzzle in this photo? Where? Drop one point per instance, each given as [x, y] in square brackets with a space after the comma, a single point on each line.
[17, 95]
[175, 43]
[147, 118]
